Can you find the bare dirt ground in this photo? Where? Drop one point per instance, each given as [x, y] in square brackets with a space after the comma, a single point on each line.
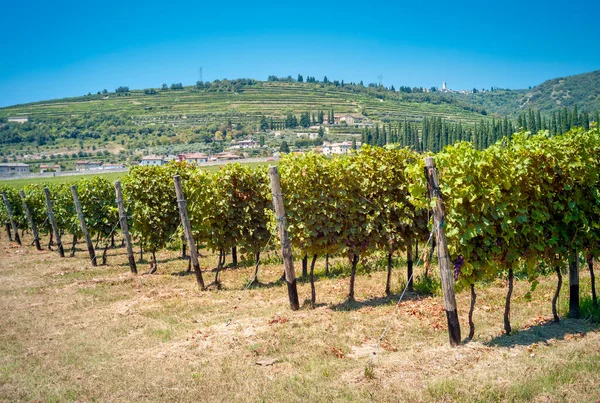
[69, 331]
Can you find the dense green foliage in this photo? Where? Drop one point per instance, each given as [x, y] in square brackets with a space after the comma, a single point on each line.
[229, 208]
[14, 199]
[97, 198]
[530, 199]
[523, 204]
[150, 199]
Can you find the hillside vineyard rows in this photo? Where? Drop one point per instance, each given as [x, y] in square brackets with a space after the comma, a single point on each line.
[528, 205]
[281, 113]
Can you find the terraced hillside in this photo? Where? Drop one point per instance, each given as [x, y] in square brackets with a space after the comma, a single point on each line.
[192, 106]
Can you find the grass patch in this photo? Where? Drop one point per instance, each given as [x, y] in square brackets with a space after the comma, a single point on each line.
[103, 334]
[428, 285]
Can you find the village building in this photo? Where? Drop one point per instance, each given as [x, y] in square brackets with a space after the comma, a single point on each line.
[244, 144]
[14, 168]
[83, 165]
[311, 136]
[49, 168]
[193, 158]
[347, 118]
[226, 156]
[339, 119]
[338, 148]
[153, 160]
[112, 166]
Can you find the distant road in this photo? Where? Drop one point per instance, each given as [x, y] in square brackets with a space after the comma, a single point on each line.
[107, 171]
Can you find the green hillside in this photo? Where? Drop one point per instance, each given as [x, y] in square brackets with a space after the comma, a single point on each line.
[124, 124]
[194, 106]
[582, 90]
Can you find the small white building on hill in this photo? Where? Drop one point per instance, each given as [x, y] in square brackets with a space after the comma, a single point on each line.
[152, 160]
[338, 148]
[14, 168]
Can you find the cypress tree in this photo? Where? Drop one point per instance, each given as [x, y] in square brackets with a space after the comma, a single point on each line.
[531, 122]
[586, 120]
[575, 118]
[566, 123]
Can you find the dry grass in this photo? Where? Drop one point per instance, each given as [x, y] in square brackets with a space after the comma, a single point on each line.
[73, 332]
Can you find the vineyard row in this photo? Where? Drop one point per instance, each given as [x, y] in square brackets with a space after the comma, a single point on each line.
[527, 205]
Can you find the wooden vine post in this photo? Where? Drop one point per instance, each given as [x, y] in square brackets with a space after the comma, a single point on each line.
[443, 256]
[125, 227]
[52, 220]
[84, 230]
[286, 247]
[187, 230]
[36, 237]
[11, 218]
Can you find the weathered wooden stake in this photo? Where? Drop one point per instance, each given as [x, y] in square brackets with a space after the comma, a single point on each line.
[574, 311]
[36, 237]
[13, 224]
[86, 234]
[187, 230]
[590, 261]
[409, 264]
[286, 247]
[52, 220]
[443, 258]
[125, 228]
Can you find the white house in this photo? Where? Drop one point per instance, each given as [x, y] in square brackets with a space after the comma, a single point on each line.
[14, 168]
[83, 165]
[112, 166]
[338, 148]
[311, 136]
[153, 160]
[244, 144]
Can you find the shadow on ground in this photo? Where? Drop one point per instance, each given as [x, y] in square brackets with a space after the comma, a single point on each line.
[543, 333]
[375, 302]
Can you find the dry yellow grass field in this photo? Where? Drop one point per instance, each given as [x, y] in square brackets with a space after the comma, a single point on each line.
[69, 331]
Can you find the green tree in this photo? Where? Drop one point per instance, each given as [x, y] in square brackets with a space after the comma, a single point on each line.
[291, 121]
[305, 119]
[264, 123]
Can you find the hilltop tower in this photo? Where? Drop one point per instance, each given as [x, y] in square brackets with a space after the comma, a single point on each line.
[444, 86]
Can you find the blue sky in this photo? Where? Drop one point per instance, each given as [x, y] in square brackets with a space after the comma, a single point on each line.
[64, 48]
